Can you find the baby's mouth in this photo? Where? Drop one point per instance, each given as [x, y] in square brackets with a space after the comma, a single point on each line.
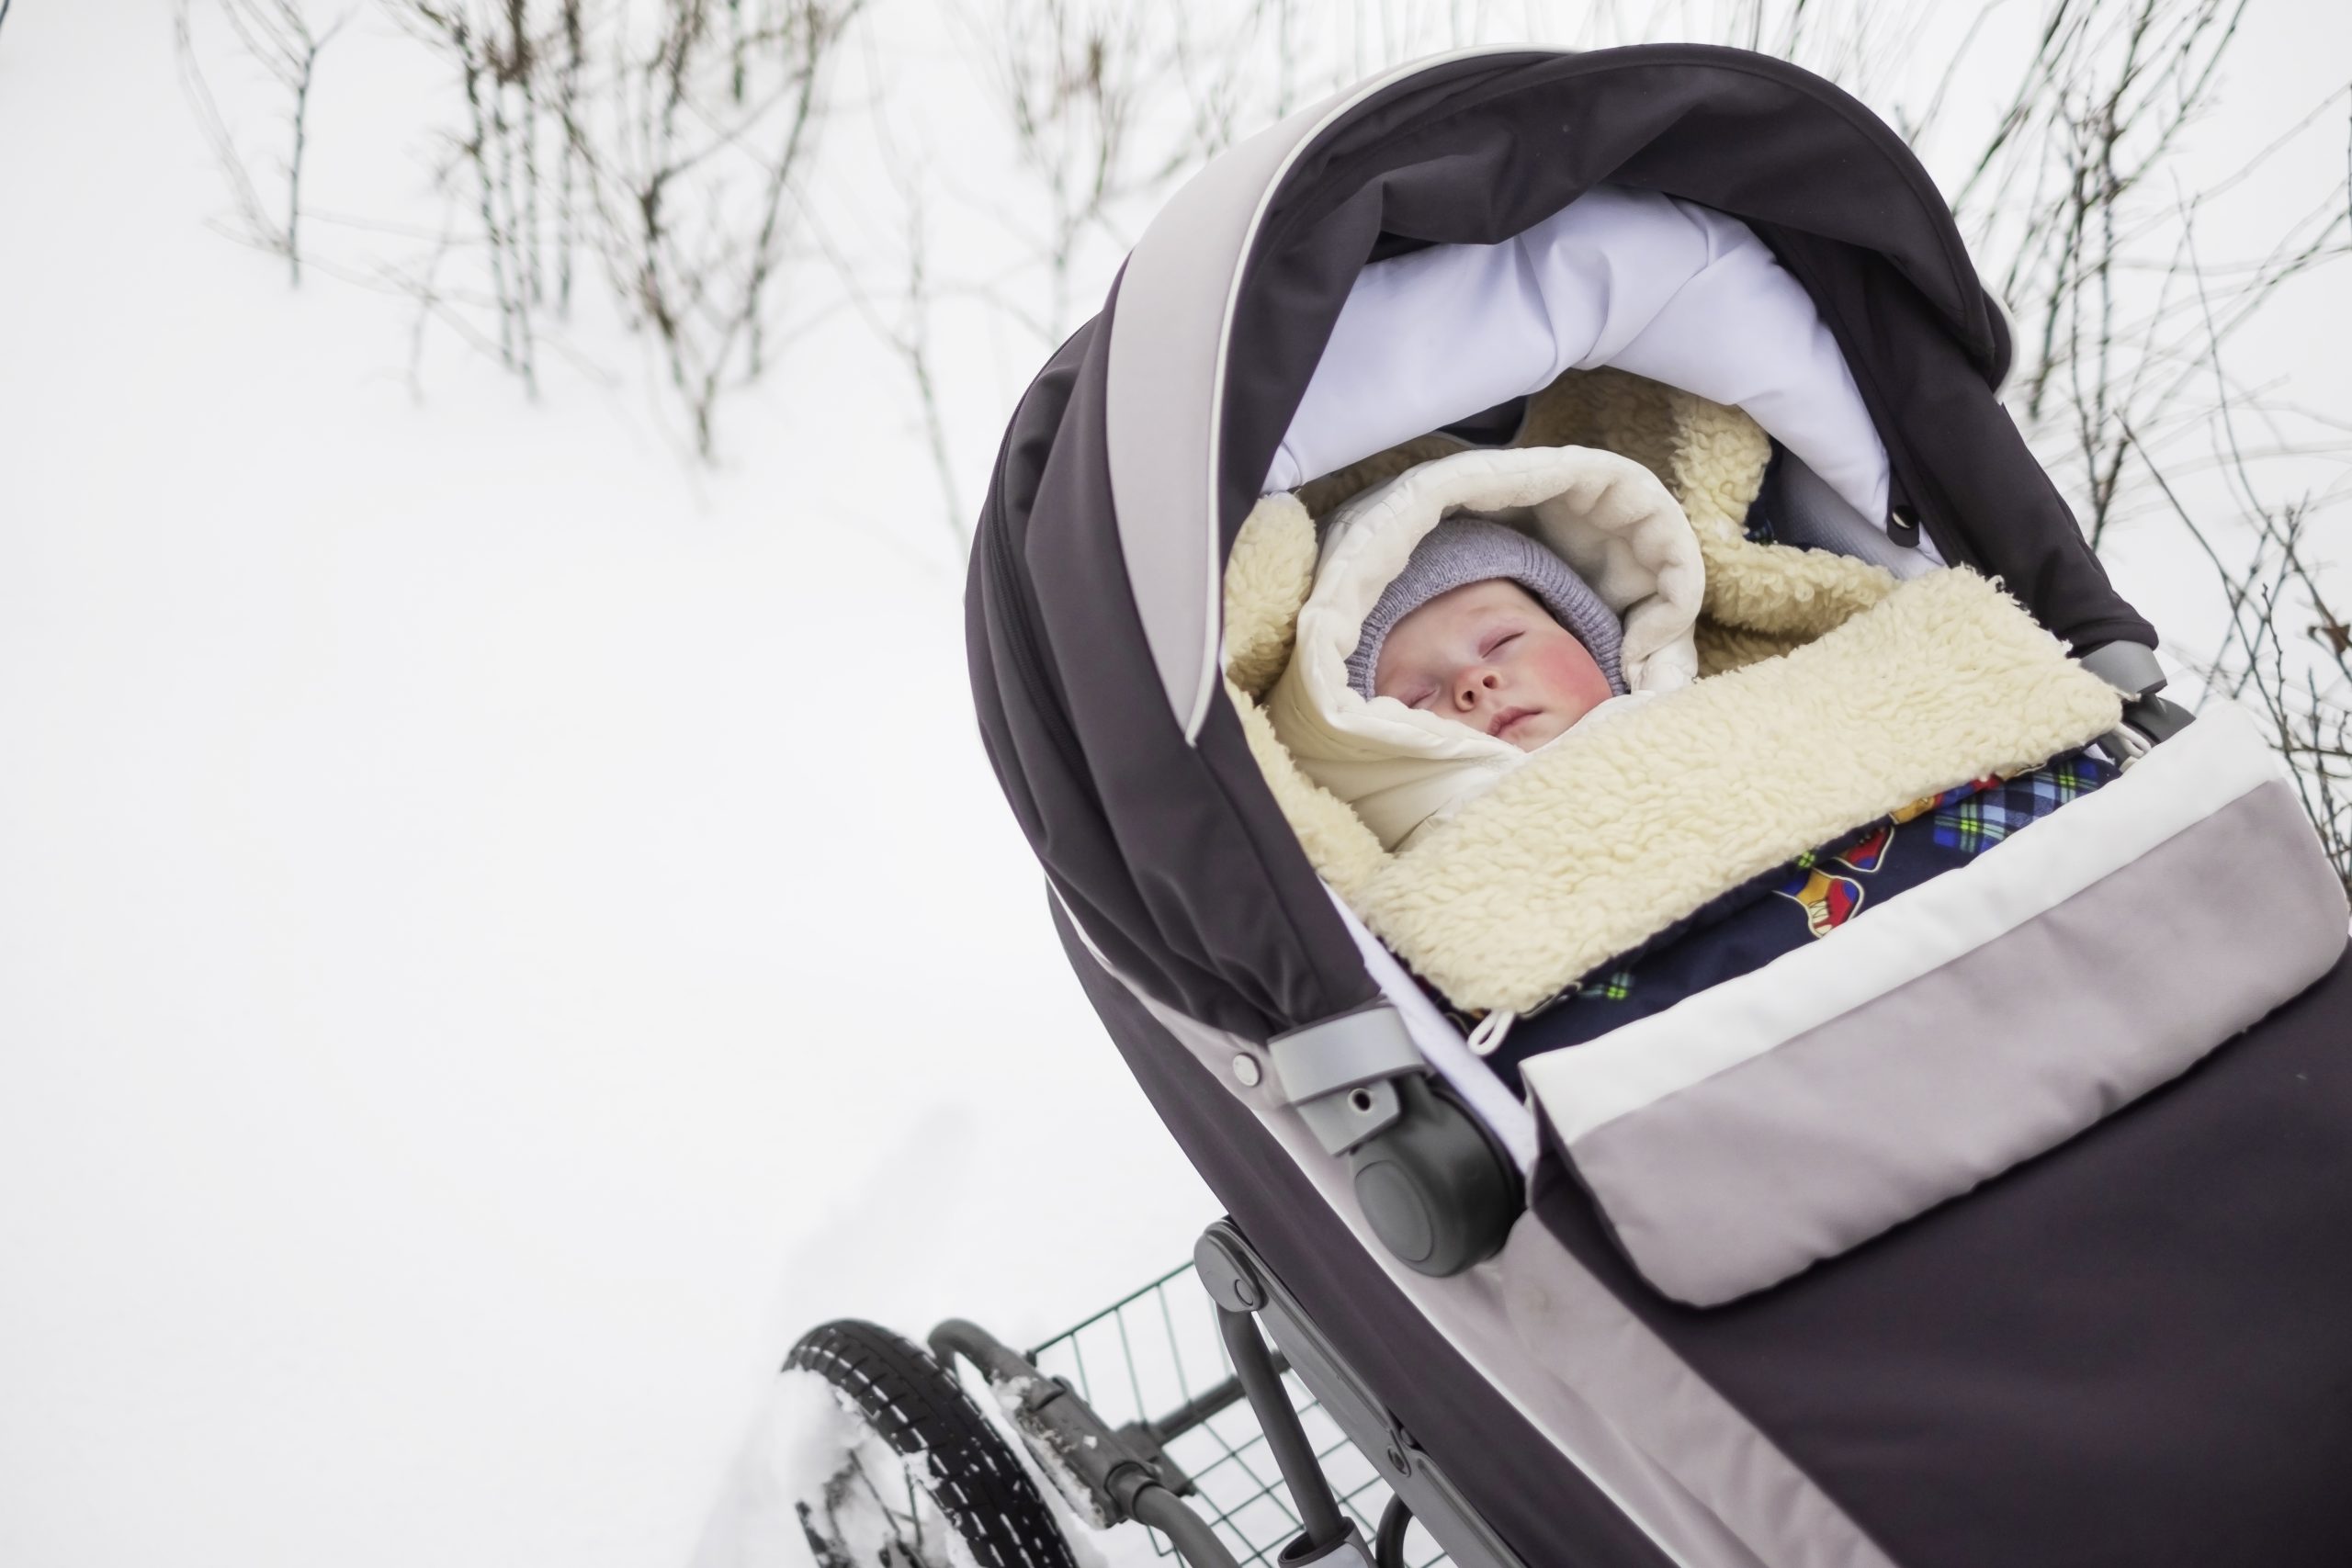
[1509, 717]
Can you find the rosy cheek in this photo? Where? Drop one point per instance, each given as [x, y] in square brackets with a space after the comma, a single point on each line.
[1570, 677]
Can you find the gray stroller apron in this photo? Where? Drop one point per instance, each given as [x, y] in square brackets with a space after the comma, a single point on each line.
[2137, 1348]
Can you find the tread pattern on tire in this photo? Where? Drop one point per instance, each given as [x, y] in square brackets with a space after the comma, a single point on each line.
[918, 1407]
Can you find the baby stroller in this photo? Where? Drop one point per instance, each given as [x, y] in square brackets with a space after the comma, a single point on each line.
[2025, 1239]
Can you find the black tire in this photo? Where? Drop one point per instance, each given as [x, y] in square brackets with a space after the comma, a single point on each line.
[917, 1408]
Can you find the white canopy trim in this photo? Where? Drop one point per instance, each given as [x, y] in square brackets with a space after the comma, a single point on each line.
[1165, 400]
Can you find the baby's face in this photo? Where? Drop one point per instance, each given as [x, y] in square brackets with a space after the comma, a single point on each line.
[1488, 654]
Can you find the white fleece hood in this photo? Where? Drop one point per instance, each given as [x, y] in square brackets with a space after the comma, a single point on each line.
[1607, 516]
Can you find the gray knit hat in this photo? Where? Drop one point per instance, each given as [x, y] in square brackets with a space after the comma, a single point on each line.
[1463, 550]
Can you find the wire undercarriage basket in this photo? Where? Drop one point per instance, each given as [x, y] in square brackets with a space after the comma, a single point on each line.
[1155, 1366]
[1169, 1409]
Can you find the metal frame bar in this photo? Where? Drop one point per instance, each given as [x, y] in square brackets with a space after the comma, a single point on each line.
[1310, 1490]
[1411, 1473]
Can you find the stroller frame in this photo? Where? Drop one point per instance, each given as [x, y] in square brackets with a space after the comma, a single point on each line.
[1130, 1476]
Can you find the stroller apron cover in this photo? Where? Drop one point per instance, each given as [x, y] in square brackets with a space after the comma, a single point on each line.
[2007, 1224]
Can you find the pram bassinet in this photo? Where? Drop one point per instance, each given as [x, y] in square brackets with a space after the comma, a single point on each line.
[2135, 1349]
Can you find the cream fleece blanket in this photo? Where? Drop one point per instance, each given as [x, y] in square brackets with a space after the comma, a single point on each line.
[1614, 832]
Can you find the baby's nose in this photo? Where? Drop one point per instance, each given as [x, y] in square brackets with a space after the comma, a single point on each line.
[1476, 683]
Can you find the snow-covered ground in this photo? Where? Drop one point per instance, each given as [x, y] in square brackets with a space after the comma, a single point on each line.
[493, 940]
[499, 930]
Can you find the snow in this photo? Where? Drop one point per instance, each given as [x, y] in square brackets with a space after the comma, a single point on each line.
[501, 929]
[1051, 1460]
[497, 934]
[810, 1449]
[808, 1434]
[801, 1438]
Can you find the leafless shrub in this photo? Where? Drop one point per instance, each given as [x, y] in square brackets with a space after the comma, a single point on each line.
[905, 326]
[2286, 653]
[499, 159]
[712, 124]
[279, 37]
[2127, 377]
[1106, 105]
[665, 148]
[657, 144]
[1101, 108]
[2121, 320]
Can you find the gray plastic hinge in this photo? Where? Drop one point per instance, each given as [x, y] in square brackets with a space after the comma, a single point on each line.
[1336, 1072]
[2126, 666]
[1340, 1122]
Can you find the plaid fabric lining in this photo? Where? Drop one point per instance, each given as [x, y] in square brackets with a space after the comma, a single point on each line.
[1985, 817]
[1756, 527]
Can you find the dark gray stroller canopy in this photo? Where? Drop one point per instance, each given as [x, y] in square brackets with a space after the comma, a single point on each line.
[2136, 1350]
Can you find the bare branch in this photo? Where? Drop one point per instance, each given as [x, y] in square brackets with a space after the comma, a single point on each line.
[665, 140]
[275, 35]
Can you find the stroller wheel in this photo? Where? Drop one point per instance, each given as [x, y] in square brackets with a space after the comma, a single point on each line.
[912, 1476]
